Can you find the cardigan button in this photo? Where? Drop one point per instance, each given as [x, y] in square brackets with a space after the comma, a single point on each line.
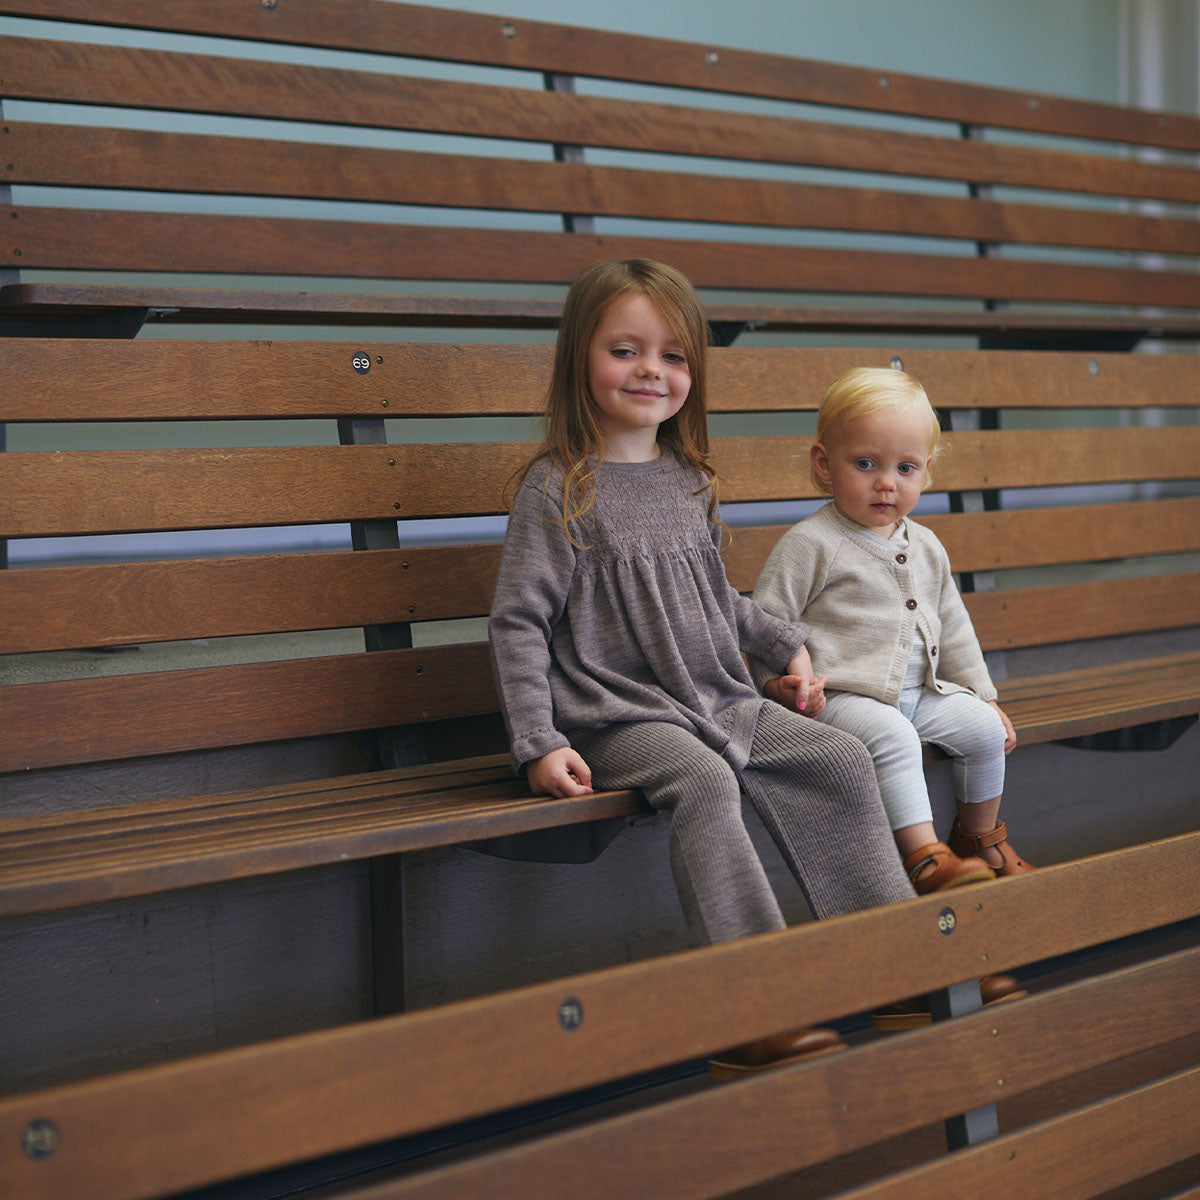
[902, 559]
[933, 652]
[910, 604]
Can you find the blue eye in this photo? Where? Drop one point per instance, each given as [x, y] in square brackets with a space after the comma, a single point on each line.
[863, 464]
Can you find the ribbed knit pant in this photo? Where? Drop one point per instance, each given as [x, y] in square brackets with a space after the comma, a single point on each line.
[814, 789]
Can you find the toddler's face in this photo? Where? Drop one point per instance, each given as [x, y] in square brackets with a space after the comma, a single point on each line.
[876, 466]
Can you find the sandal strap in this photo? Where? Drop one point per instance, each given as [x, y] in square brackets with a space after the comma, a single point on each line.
[926, 856]
[981, 841]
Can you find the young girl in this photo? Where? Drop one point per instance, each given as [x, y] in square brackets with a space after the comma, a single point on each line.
[890, 636]
[616, 638]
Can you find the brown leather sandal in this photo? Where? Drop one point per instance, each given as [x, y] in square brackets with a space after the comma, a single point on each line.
[915, 1012]
[935, 867]
[794, 1045]
[976, 843]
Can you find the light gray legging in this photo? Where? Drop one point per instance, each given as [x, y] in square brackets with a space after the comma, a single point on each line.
[968, 729]
[814, 789]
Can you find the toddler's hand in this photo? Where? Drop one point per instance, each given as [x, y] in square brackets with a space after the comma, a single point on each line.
[798, 693]
[562, 772]
[1010, 734]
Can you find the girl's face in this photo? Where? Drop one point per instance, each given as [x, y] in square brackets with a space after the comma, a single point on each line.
[638, 375]
[876, 467]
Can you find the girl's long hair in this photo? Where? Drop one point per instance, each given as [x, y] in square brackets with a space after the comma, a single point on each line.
[573, 440]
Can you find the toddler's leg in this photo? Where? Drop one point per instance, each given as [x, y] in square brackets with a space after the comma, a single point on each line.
[721, 881]
[895, 749]
[971, 732]
[814, 788]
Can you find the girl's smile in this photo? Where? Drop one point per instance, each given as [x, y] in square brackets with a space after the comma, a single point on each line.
[638, 375]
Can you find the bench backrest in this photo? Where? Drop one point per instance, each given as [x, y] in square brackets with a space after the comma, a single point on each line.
[953, 175]
[412, 583]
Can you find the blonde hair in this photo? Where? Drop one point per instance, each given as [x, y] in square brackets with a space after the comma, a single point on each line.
[573, 439]
[868, 391]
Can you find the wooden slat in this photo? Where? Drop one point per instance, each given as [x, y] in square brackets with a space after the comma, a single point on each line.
[176, 305]
[1038, 616]
[98, 379]
[169, 711]
[110, 605]
[808, 975]
[134, 850]
[48, 493]
[1099, 699]
[59, 608]
[696, 1146]
[89, 74]
[1028, 537]
[82, 239]
[421, 32]
[1086, 1154]
[118, 158]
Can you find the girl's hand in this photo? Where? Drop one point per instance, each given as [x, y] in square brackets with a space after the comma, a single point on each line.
[798, 694]
[562, 772]
[1010, 734]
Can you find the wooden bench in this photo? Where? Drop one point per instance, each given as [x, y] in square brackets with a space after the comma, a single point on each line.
[1088, 1086]
[1025, 218]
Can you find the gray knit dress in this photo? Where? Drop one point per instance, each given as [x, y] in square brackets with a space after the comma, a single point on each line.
[627, 646]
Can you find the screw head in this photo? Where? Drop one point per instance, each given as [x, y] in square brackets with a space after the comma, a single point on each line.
[39, 1139]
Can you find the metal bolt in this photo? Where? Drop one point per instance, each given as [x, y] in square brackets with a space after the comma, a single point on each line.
[570, 1014]
[508, 29]
[897, 363]
[383, 403]
[391, 462]
[884, 81]
[1093, 367]
[712, 57]
[39, 1139]
[412, 608]
[269, 3]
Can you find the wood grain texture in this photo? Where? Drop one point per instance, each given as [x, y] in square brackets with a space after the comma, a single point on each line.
[85, 239]
[169, 711]
[421, 32]
[96, 379]
[807, 975]
[59, 155]
[176, 305]
[52, 493]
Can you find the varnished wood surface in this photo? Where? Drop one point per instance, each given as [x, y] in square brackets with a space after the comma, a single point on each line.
[135, 380]
[412, 30]
[130, 603]
[57, 493]
[89, 239]
[722, 1140]
[807, 975]
[175, 305]
[64, 156]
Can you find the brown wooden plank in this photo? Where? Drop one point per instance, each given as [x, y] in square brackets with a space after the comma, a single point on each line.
[94, 379]
[1020, 537]
[808, 975]
[1085, 1153]
[48, 493]
[422, 32]
[1172, 668]
[80, 239]
[60, 155]
[130, 852]
[172, 305]
[77, 73]
[59, 608]
[1037, 616]
[697, 1146]
[168, 711]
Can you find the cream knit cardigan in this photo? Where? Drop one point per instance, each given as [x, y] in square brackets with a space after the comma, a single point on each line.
[866, 603]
